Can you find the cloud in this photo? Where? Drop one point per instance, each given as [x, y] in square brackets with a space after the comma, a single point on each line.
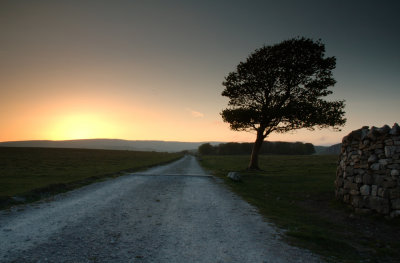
[195, 114]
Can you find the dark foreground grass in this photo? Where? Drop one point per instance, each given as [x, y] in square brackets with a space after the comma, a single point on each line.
[297, 194]
[27, 174]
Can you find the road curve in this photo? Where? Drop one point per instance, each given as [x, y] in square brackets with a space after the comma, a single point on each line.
[171, 213]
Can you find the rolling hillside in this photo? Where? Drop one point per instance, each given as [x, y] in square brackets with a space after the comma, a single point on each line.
[109, 144]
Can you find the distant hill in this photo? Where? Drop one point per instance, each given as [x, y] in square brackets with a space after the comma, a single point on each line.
[116, 144]
[110, 144]
[333, 149]
[319, 149]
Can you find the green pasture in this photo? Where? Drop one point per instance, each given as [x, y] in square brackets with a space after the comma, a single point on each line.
[32, 172]
[297, 194]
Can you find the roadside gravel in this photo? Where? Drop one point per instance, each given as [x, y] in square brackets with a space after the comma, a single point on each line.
[171, 213]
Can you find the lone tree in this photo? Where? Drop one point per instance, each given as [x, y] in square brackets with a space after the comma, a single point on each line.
[280, 88]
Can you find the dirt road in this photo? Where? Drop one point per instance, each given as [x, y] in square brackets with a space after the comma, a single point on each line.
[171, 213]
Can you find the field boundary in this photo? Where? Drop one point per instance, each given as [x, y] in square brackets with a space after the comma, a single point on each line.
[296, 193]
[50, 190]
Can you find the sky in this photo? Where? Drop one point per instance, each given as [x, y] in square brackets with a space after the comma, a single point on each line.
[153, 70]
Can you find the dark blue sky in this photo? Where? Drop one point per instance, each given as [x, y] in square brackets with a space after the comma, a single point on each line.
[170, 58]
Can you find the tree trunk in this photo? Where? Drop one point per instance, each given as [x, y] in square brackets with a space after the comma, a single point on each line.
[253, 165]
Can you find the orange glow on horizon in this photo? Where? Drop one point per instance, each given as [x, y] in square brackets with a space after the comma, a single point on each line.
[94, 110]
[81, 126]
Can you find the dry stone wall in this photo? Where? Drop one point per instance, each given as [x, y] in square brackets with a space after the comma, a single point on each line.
[367, 176]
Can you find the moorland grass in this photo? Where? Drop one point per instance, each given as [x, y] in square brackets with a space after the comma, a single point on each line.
[297, 194]
[31, 173]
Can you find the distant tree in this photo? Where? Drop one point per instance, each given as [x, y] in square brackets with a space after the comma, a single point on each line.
[206, 149]
[234, 148]
[229, 148]
[309, 148]
[280, 88]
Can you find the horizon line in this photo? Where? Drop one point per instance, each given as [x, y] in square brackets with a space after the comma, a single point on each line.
[45, 140]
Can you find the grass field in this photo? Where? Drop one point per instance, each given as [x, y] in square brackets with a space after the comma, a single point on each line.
[31, 173]
[297, 194]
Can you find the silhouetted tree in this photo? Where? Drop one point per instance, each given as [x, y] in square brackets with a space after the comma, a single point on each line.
[309, 148]
[281, 88]
[206, 149]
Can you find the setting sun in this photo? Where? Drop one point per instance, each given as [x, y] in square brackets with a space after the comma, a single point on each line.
[118, 70]
[81, 126]
[124, 126]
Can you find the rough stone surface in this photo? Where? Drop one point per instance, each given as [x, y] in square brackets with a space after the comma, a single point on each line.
[375, 166]
[396, 204]
[235, 176]
[390, 151]
[365, 190]
[358, 179]
[373, 158]
[368, 179]
[374, 190]
[395, 130]
[395, 213]
[382, 192]
[394, 193]
[368, 170]
[354, 192]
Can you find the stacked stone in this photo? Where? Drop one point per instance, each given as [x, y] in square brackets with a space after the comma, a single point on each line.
[367, 177]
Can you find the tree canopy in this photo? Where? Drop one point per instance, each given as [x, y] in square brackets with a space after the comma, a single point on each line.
[280, 88]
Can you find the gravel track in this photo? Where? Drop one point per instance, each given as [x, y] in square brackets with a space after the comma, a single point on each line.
[171, 213]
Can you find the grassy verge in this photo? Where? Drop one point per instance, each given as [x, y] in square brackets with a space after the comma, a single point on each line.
[32, 173]
[297, 194]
